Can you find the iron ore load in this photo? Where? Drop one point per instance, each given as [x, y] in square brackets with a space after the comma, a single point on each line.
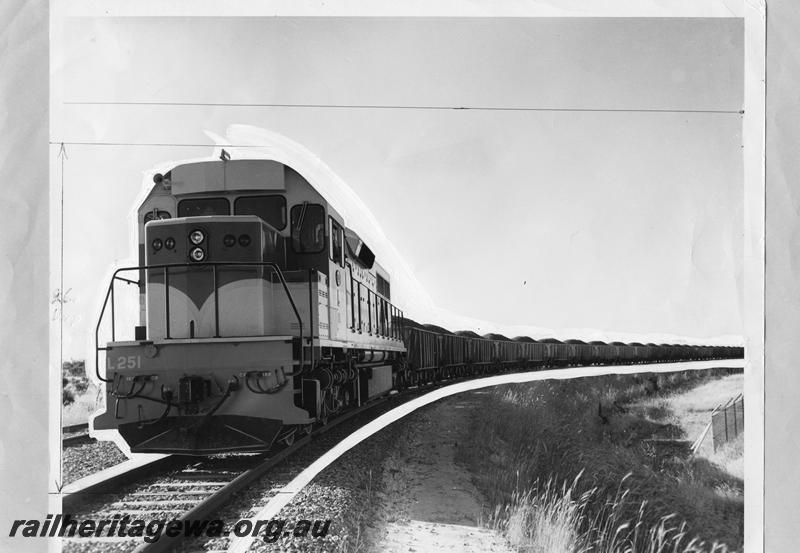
[261, 314]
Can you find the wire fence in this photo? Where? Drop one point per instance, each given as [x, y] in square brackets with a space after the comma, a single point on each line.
[727, 421]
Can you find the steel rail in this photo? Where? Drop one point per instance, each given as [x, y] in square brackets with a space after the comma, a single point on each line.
[80, 434]
[75, 427]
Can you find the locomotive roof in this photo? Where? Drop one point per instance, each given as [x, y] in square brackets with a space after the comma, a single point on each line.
[235, 174]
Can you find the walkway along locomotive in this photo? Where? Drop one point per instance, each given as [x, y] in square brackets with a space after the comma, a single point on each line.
[262, 314]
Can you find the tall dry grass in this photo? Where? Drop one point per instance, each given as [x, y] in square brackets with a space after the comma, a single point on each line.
[558, 477]
[557, 519]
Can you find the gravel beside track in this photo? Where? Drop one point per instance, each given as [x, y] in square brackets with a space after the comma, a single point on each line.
[343, 494]
[81, 460]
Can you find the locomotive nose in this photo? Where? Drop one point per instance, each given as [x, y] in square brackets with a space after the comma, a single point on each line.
[201, 435]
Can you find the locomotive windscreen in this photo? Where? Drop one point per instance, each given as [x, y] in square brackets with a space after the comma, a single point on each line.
[271, 209]
[308, 228]
[198, 207]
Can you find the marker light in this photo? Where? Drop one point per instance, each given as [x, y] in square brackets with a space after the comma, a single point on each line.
[244, 240]
[229, 240]
[157, 244]
[197, 254]
[169, 243]
[196, 236]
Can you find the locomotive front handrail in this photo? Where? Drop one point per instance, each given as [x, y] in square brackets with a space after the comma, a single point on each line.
[166, 267]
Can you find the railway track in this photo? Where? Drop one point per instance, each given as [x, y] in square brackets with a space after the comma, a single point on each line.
[75, 434]
[170, 487]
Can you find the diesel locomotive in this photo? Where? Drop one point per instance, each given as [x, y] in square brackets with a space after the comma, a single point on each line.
[262, 314]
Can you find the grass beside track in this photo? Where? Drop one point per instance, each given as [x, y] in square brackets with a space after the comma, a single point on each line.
[566, 467]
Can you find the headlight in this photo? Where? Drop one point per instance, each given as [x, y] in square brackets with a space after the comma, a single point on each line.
[169, 243]
[229, 240]
[197, 254]
[196, 236]
[244, 240]
[157, 244]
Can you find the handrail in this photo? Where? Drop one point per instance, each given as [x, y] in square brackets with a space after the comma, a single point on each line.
[167, 266]
[369, 311]
[360, 324]
[311, 274]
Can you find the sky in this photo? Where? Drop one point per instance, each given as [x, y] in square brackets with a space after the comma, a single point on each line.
[594, 190]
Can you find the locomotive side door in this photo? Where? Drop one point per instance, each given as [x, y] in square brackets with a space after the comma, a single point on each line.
[337, 300]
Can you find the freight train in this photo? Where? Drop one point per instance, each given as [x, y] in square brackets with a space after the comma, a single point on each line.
[261, 315]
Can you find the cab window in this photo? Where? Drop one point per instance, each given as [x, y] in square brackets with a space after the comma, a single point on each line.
[198, 207]
[271, 209]
[336, 242]
[308, 228]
